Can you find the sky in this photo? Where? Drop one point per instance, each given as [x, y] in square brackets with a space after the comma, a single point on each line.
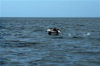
[49, 8]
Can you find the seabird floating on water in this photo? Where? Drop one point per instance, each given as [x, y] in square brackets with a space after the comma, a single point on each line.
[53, 31]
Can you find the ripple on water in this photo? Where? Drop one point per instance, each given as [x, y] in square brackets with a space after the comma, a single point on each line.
[78, 44]
[4, 61]
[18, 44]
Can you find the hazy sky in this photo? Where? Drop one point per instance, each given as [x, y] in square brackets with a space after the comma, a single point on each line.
[49, 8]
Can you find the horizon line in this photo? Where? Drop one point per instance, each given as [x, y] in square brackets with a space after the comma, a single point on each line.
[48, 17]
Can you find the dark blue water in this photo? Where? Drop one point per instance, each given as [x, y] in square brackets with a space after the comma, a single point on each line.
[25, 42]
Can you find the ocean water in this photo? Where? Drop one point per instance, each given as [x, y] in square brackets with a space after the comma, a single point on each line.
[25, 42]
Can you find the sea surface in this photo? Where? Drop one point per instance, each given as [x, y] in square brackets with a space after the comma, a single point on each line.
[25, 42]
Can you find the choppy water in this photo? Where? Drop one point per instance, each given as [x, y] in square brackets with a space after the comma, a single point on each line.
[25, 42]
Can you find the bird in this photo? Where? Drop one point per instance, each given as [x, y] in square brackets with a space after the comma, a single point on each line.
[53, 31]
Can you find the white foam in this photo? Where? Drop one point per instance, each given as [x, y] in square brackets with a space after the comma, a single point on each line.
[69, 34]
[88, 34]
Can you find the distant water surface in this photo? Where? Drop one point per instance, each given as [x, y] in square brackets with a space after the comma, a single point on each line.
[25, 42]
